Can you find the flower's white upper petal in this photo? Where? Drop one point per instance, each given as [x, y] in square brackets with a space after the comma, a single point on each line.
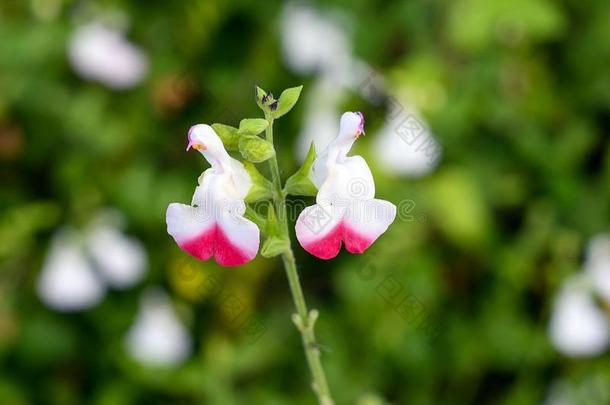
[343, 182]
[240, 178]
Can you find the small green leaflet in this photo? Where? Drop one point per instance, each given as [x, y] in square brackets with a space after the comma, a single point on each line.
[300, 182]
[255, 149]
[252, 126]
[287, 100]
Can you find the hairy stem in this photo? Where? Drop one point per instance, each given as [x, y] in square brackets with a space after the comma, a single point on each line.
[303, 319]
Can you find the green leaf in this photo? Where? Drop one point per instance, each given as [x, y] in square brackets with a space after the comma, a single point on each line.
[287, 100]
[261, 188]
[274, 246]
[252, 126]
[255, 149]
[228, 135]
[300, 182]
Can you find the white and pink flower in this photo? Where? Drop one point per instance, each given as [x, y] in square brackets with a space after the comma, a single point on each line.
[346, 210]
[214, 225]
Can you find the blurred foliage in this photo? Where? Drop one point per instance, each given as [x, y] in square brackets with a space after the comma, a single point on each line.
[518, 94]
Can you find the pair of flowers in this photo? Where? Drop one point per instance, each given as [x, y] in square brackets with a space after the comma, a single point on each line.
[346, 211]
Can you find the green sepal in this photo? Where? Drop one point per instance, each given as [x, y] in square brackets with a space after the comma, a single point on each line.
[261, 188]
[287, 100]
[300, 182]
[274, 246]
[276, 243]
[252, 126]
[273, 226]
[260, 95]
[228, 135]
[259, 220]
[255, 149]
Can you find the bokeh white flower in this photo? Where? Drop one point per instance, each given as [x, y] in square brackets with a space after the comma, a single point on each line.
[405, 146]
[157, 337]
[578, 326]
[68, 281]
[120, 259]
[81, 264]
[597, 264]
[100, 52]
[312, 41]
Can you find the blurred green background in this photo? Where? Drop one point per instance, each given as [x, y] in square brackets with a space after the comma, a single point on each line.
[450, 306]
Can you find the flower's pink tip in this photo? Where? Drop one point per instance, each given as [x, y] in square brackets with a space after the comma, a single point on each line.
[361, 126]
[191, 142]
[328, 246]
[215, 243]
[232, 240]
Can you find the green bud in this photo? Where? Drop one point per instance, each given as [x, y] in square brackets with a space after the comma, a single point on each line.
[260, 96]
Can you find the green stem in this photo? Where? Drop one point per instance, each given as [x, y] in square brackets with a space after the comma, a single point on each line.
[303, 319]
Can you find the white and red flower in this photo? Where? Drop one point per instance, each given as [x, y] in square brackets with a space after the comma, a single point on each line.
[346, 210]
[214, 225]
